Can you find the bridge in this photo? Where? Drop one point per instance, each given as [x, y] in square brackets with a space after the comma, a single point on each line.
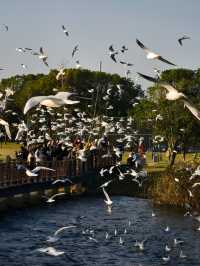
[15, 183]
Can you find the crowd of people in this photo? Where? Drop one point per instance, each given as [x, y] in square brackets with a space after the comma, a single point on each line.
[79, 148]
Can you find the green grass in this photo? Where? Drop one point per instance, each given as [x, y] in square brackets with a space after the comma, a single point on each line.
[162, 164]
[8, 149]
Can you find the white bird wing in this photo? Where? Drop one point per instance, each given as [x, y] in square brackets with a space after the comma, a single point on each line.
[6, 125]
[32, 102]
[169, 88]
[70, 102]
[56, 195]
[52, 101]
[192, 109]
[38, 168]
[8, 131]
[64, 95]
[63, 228]
[106, 195]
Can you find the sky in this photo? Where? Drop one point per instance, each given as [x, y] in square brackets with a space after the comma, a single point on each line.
[94, 25]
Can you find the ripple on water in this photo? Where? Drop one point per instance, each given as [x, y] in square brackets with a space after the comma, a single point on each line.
[23, 232]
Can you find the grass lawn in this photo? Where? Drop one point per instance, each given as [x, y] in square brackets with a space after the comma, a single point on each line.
[162, 164]
[8, 149]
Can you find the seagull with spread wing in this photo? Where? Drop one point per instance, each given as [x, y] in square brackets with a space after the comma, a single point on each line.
[33, 172]
[112, 53]
[173, 94]
[75, 50]
[180, 40]
[7, 129]
[152, 55]
[65, 30]
[42, 56]
[60, 99]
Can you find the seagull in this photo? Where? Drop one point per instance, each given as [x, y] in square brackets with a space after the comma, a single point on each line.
[93, 239]
[51, 251]
[5, 27]
[7, 129]
[190, 193]
[166, 259]
[61, 98]
[35, 171]
[124, 48]
[74, 50]
[195, 184]
[167, 229]
[62, 181]
[172, 93]
[24, 66]
[140, 244]
[125, 63]
[103, 171]
[111, 49]
[177, 242]
[180, 40]
[106, 184]
[152, 79]
[196, 173]
[51, 199]
[152, 55]
[167, 249]
[42, 56]
[64, 228]
[65, 30]
[108, 201]
[182, 255]
[78, 66]
[61, 73]
[192, 109]
[121, 241]
[112, 56]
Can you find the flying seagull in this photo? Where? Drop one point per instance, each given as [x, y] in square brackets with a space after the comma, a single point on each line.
[65, 30]
[74, 50]
[180, 40]
[42, 56]
[108, 201]
[152, 79]
[112, 56]
[173, 94]
[7, 129]
[125, 63]
[124, 48]
[6, 27]
[61, 98]
[152, 55]
[35, 171]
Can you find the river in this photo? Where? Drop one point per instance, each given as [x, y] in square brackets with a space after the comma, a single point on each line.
[24, 232]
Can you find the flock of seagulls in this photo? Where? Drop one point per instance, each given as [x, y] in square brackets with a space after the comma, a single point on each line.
[67, 124]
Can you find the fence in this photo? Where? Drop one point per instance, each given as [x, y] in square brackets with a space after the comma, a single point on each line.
[11, 177]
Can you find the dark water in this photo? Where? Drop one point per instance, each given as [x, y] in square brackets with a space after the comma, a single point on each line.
[23, 232]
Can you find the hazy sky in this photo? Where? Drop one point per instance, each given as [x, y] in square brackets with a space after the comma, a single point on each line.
[94, 25]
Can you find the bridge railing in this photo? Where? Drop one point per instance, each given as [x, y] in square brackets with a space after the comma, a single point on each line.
[11, 177]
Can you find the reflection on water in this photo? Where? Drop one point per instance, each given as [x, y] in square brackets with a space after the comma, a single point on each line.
[101, 237]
